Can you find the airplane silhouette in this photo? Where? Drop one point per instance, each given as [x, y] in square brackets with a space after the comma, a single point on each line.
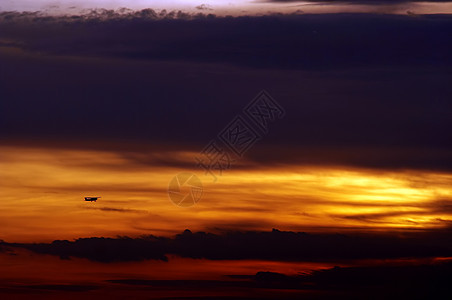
[92, 199]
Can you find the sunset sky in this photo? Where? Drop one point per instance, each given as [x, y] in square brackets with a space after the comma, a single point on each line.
[344, 191]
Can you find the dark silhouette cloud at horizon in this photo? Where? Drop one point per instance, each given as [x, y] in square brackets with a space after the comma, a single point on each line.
[385, 281]
[275, 245]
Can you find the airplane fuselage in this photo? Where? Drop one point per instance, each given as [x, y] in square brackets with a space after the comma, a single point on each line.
[91, 199]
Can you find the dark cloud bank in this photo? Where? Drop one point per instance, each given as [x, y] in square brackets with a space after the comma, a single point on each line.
[388, 282]
[359, 89]
[419, 279]
[279, 41]
[275, 245]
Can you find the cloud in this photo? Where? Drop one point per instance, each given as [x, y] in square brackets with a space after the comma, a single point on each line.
[367, 2]
[62, 287]
[275, 245]
[204, 7]
[419, 281]
[359, 89]
[429, 208]
[97, 14]
[423, 280]
[102, 249]
[288, 42]
[386, 281]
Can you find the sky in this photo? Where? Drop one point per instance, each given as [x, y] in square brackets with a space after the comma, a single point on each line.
[232, 7]
[241, 149]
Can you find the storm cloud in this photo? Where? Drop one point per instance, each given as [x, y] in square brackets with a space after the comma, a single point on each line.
[360, 89]
[282, 42]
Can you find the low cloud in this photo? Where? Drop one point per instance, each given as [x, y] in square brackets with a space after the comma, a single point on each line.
[275, 245]
[102, 249]
[61, 287]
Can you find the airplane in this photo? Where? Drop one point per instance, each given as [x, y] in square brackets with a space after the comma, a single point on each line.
[92, 199]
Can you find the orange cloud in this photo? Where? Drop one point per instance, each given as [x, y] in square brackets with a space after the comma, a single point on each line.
[42, 194]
